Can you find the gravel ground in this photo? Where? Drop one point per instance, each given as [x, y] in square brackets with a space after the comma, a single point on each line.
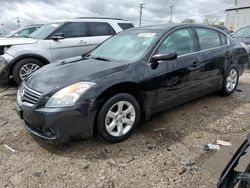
[166, 151]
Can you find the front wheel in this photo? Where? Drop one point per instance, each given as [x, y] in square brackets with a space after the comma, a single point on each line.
[230, 82]
[118, 118]
[24, 68]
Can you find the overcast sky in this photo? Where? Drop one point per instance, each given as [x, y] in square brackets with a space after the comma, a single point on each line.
[155, 11]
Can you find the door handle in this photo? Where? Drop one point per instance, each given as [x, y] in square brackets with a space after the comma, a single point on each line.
[82, 42]
[173, 81]
[195, 64]
[227, 54]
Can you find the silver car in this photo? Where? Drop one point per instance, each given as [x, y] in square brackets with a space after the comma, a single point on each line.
[61, 39]
[21, 32]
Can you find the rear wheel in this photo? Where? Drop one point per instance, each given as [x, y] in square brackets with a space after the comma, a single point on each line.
[25, 67]
[118, 118]
[230, 82]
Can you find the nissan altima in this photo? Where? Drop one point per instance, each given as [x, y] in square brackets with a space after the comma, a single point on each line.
[126, 79]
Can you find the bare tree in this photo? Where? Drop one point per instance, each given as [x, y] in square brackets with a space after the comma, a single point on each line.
[210, 19]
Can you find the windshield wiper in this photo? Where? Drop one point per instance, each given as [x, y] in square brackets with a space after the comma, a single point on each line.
[100, 58]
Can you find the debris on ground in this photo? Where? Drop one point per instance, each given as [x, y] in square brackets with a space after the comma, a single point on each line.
[159, 129]
[5, 123]
[239, 90]
[187, 163]
[211, 147]
[223, 143]
[9, 148]
[228, 127]
[131, 159]
[182, 170]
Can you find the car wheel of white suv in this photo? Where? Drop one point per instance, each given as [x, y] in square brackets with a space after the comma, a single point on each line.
[25, 67]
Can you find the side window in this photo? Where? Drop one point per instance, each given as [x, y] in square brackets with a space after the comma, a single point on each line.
[181, 41]
[208, 38]
[125, 26]
[73, 30]
[100, 29]
[223, 39]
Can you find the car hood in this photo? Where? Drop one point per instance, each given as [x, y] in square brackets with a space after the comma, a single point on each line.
[16, 41]
[65, 72]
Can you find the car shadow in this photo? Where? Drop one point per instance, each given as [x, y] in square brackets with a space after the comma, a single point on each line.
[162, 130]
[11, 84]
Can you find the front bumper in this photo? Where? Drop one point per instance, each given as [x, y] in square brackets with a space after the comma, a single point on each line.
[5, 61]
[58, 124]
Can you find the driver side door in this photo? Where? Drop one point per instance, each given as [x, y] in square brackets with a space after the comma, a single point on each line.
[176, 81]
[75, 42]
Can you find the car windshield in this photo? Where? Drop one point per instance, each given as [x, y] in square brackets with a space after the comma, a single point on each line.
[45, 30]
[242, 33]
[126, 46]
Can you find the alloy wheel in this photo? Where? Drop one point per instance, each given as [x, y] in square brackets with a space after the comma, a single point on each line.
[28, 69]
[231, 80]
[120, 118]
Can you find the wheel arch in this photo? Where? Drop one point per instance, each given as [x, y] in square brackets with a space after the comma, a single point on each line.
[26, 56]
[126, 87]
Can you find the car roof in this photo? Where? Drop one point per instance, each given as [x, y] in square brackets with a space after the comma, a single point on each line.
[33, 25]
[94, 19]
[168, 27]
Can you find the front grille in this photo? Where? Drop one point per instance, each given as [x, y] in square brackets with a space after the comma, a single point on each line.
[47, 133]
[30, 96]
[34, 127]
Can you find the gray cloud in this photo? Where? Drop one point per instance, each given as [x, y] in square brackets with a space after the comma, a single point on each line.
[155, 11]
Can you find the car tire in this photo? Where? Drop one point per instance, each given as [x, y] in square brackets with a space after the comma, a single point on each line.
[230, 81]
[28, 65]
[118, 118]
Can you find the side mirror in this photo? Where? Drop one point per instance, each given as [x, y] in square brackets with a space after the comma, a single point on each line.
[58, 36]
[165, 56]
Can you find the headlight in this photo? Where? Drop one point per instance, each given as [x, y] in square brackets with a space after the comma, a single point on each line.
[20, 92]
[69, 95]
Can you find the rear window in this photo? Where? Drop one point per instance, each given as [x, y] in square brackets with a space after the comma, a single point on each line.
[125, 26]
[100, 29]
[208, 38]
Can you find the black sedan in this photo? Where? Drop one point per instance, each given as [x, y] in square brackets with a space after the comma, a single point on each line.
[128, 78]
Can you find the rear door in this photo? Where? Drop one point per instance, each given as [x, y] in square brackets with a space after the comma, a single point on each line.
[98, 32]
[75, 42]
[214, 54]
[176, 81]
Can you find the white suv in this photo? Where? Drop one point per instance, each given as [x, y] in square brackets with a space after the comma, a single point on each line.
[58, 40]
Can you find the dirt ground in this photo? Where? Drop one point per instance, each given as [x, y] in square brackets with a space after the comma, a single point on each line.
[166, 151]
